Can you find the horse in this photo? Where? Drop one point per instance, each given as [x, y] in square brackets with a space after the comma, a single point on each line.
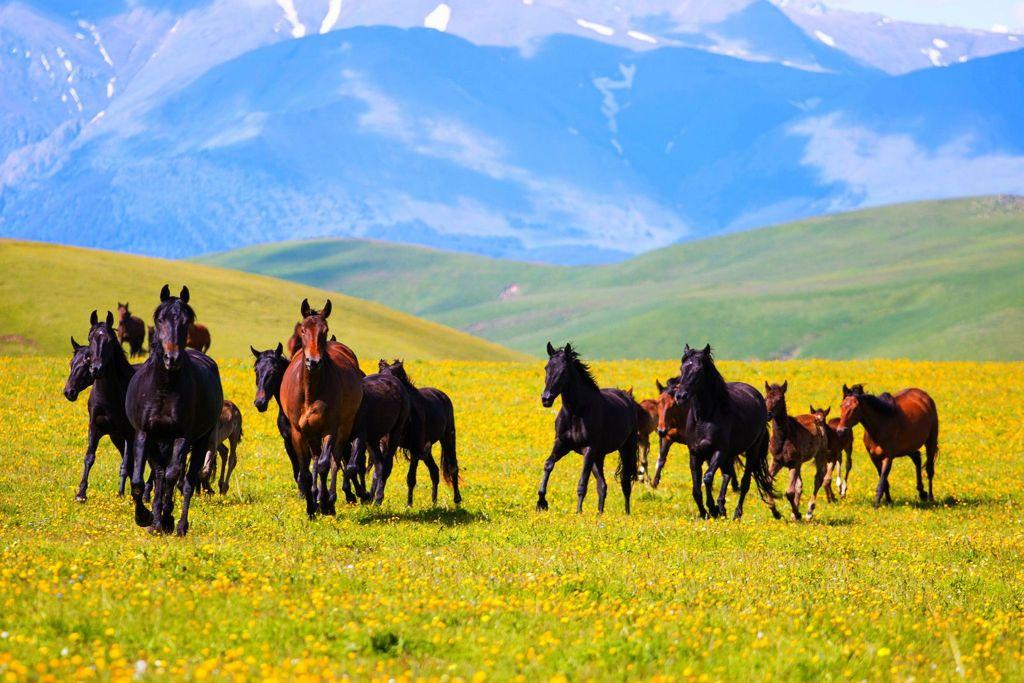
[229, 428]
[295, 341]
[894, 426]
[797, 439]
[380, 426]
[174, 402]
[198, 338]
[725, 420]
[431, 420]
[109, 373]
[270, 366]
[321, 392]
[646, 423]
[671, 426]
[592, 422]
[130, 329]
[837, 445]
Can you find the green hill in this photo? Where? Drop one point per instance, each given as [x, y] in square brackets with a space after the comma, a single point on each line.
[48, 291]
[931, 280]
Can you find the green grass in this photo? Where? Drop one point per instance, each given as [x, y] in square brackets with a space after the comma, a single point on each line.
[47, 292]
[932, 280]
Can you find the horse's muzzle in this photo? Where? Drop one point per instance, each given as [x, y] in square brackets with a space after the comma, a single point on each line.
[261, 403]
[547, 400]
[662, 432]
[313, 364]
[70, 394]
[172, 361]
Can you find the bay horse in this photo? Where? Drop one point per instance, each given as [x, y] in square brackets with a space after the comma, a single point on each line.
[837, 445]
[111, 373]
[726, 419]
[130, 329]
[198, 338]
[592, 422]
[229, 428]
[431, 420]
[795, 440]
[646, 423]
[173, 402]
[320, 393]
[671, 426]
[380, 427]
[894, 426]
[270, 366]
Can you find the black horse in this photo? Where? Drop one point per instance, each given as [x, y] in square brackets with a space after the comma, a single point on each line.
[269, 367]
[726, 419]
[173, 402]
[380, 426]
[593, 422]
[431, 420]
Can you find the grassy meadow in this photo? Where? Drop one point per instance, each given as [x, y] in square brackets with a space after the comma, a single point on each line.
[495, 590]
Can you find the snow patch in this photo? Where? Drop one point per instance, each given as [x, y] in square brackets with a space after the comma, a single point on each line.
[45, 62]
[438, 18]
[1000, 28]
[97, 41]
[642, 37]
[609, 104]
[825, 38]
[74, 96]
[1013, 39]
[933, 55]
[110, 87]
[292, 17]
[600, 29]
[333, 12]
[527, 2]
[940, 43]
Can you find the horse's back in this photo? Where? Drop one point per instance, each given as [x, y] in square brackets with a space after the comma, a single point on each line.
[916, 404]
[749, 415]
[344, 357]
[209, 391]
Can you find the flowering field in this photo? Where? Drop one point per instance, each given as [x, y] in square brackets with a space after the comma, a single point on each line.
[496, 590]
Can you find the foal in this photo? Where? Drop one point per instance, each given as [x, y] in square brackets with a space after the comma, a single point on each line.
[130, 329]
[229, 428]
[837, 445]
[794, 441]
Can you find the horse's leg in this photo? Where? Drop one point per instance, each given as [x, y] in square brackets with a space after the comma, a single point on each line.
[830, 470]
[644, 442]
[931, 447]
[377, 457]
[232, 461]
[355, 468]
[602, 484]
[328, 478]
[90, 460]
[192, 481]
[410, 478]
[626, 454]
[883, 481]
[791, 492]
[124, 448]
[819, 479]
[159, 483]
[558, 451]
[435, 473]
[137, 454]
[302, 454]
[728, 475]
[695, 474]
[179, 455]
[709, 482]
[663, 446]
[915, 457]
[844, 482]
[581, 487]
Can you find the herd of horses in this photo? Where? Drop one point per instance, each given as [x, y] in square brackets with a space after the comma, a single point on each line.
[168, 414]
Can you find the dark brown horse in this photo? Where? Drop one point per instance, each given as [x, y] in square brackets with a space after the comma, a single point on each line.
[198, 338]
[671, 426]
[646, 423]
[380, 426]
[894, 426]
[295, 341]
[229, 428]
[130, 329]
[270, 366]
[837, 445]
[795, 440]
[320, 393]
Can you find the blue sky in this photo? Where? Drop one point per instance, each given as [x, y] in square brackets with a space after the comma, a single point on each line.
[977, 13]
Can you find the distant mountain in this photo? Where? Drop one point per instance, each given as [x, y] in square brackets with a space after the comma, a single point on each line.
[551, 130]
[932, 280]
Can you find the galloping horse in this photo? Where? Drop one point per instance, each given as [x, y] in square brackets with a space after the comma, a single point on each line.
[295, 341]
[646, 423]
[837, 445]
[796, 440]
[270, 366]
[671, 428]
[382, 419]
[320, 393]
[229, 428]
[894, 426]
[130, 329]
[173, 402]
[593, 422]
[198, 338]
[725, 420]
[431, 420]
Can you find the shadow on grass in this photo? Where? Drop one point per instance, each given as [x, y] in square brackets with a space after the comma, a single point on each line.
[432, 515]
[833, 521]
[951, 502]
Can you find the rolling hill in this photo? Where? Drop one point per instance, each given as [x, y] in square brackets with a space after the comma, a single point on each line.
[47, 292]
[929, 280]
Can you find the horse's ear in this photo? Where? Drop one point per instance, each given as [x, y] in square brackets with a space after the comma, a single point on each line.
[686, 348]
[165, 293]
[825, 412]
[327, 310]
[110, 319]
[255, 353]
[74, 345]
[568, 348]
[846, 391]
[334, 338]
[551, 350]
[184, 293]
[707, 349]
[279, 351]
[126, 305]
[93, 319]
[661, 389]
[785, 385]
[766, 387]
[304, 308]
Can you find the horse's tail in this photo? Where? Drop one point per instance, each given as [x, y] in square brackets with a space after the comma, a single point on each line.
[757, 461]
[449, 460]
[629, 455]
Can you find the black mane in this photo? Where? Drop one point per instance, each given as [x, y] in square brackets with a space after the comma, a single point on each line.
[170, 302]
[584, 369]
[883, 403]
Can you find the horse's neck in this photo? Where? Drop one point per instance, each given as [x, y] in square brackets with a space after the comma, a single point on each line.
[706, 403]
[874, 422]
[578, 395]
[781, 430]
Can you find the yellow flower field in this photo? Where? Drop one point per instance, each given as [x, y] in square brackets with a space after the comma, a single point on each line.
[495, 590]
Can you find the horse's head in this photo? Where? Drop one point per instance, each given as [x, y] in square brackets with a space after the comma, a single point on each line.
[313, 332]
[396, 368]
[820, 414]
[849, 409]
[665, 403]
[269, 368]
[171, 321]
[693, 368]
[80, 375]
[123, 313]
[103, 343]
[557, 373]
[775, 399]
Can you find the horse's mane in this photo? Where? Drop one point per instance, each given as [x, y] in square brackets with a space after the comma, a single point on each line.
[715, 382]
[166, 304]
[397, 369]
[883, 403]
[585, 372]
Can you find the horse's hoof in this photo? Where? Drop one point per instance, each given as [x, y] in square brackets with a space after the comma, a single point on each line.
[738, 515]
[182, 530]
[223, 490]
[776, 514]
[143, 517]
[80, 497]
[542, 506]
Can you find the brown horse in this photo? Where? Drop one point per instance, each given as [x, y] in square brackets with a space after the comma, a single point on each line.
[198, 337]
[229, 428]
[894, 426]
[671, 426]
[797, 439]
[295, 341]
[320, 393]
[130, 329]
[837, 445]
[646, 422]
